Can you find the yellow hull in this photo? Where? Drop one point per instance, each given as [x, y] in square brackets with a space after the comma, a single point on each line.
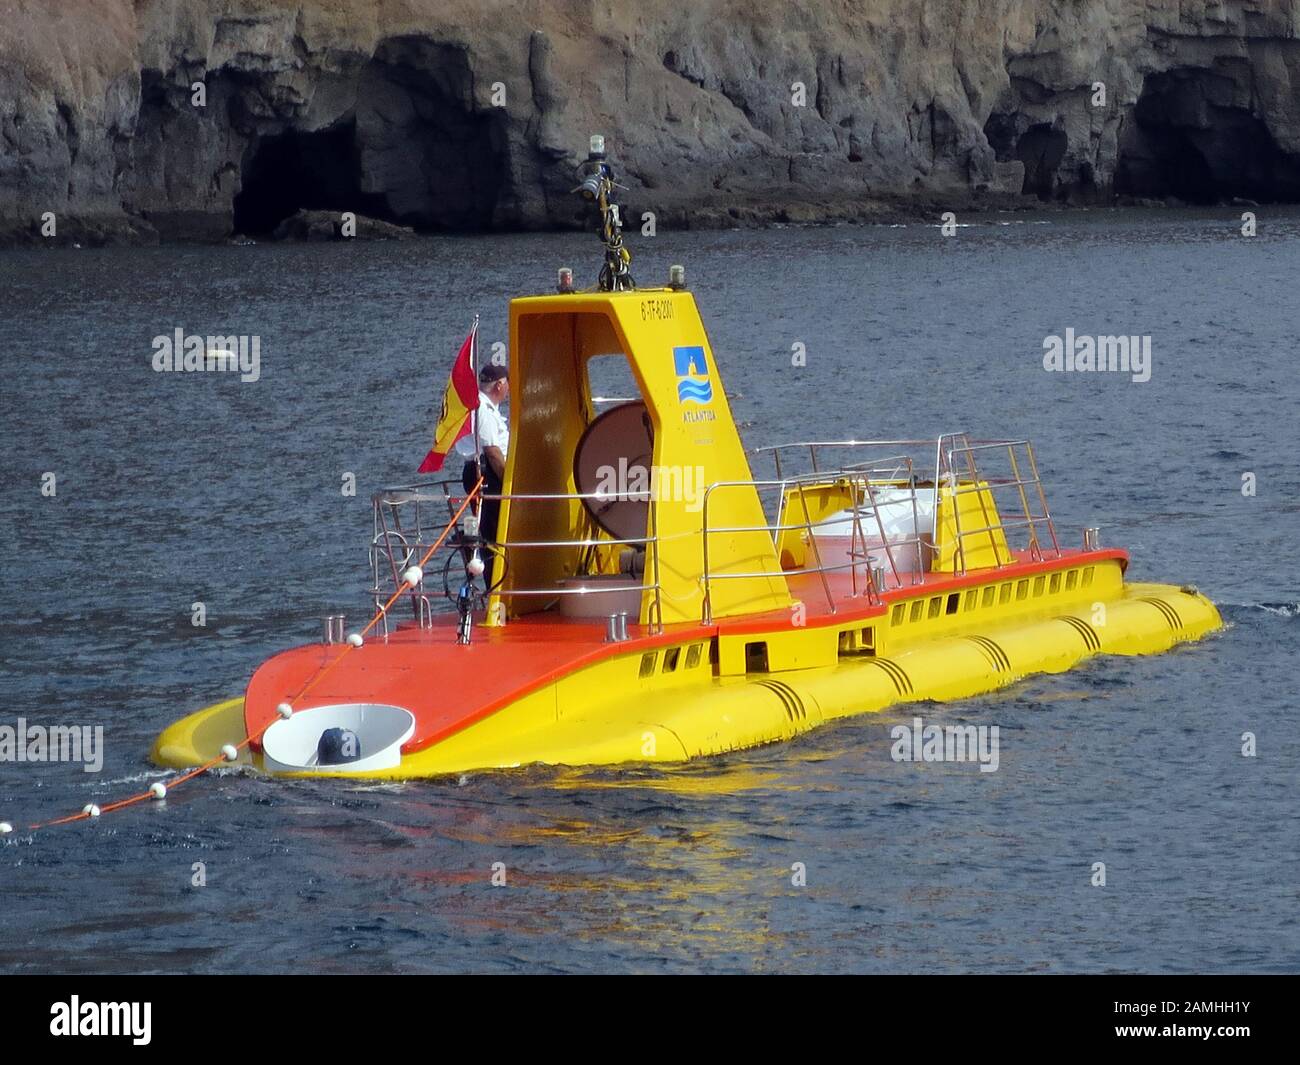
[619, 711]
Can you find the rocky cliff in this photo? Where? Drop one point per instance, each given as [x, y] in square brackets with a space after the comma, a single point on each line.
[199, 118]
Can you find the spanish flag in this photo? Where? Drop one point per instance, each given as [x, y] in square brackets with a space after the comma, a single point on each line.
[458, 405]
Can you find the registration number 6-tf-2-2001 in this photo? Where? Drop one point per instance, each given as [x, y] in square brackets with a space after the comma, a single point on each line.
[658, 310]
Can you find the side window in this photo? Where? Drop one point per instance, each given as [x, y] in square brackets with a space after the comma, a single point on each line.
[610, 382]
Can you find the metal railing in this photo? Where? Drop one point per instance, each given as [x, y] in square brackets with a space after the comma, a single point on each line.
[814, 447]
[862, 484]
[1026, 485]
[957, 472]
[404, 524]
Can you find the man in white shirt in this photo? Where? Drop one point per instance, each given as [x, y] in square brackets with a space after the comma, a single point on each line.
[493, 441]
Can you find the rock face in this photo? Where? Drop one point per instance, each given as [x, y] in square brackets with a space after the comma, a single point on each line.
[142, 119]
[331, 225]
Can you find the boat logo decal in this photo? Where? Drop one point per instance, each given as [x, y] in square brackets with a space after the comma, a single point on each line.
[693, 385]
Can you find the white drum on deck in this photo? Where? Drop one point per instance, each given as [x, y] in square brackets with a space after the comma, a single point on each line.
[901, 522]
[600, 595]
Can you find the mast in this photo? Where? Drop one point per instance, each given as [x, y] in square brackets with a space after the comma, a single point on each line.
[597, 186]
[473, 365]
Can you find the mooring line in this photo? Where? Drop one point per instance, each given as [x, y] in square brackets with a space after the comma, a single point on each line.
[230, 752]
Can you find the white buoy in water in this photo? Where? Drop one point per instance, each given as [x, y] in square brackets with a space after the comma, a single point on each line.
[284, 710]
[158, 790]
[90, 809]
[413, 576]
[229, 753]
[5, 828]
[355, 639]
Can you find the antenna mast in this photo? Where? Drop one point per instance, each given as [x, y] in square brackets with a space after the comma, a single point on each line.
[597, 186]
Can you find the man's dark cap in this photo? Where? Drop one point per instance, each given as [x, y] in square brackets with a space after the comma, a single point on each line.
[492, 372]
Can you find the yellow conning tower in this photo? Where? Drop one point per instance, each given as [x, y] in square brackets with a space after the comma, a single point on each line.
[547, 526]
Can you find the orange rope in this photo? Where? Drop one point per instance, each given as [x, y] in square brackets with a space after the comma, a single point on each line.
[402, 589]
[176, 781]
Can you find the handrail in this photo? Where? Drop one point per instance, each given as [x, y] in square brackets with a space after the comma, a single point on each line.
[799, 483]
[768, 448]
[877, 485]
[645, 496]
[394, 498]
[926, 442]
[957, 472]
[986, 485]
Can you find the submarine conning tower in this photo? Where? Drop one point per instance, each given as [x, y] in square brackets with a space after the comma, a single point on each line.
[609, 488]
[559, 459]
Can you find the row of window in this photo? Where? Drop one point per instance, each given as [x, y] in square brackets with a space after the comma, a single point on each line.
[672, 659]
[862, 641]
[976, 598]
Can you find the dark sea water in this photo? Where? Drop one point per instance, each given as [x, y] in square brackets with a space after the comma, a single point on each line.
[175, 488]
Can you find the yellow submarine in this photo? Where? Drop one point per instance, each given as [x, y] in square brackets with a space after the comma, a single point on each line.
[647, 598]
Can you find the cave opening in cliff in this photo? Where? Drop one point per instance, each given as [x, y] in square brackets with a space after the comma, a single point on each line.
[1192, 136]
[1041, 148]
[413, 150]
[296, 170]
[426, 142]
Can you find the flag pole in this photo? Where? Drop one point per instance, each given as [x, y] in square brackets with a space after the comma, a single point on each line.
[473, 363]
